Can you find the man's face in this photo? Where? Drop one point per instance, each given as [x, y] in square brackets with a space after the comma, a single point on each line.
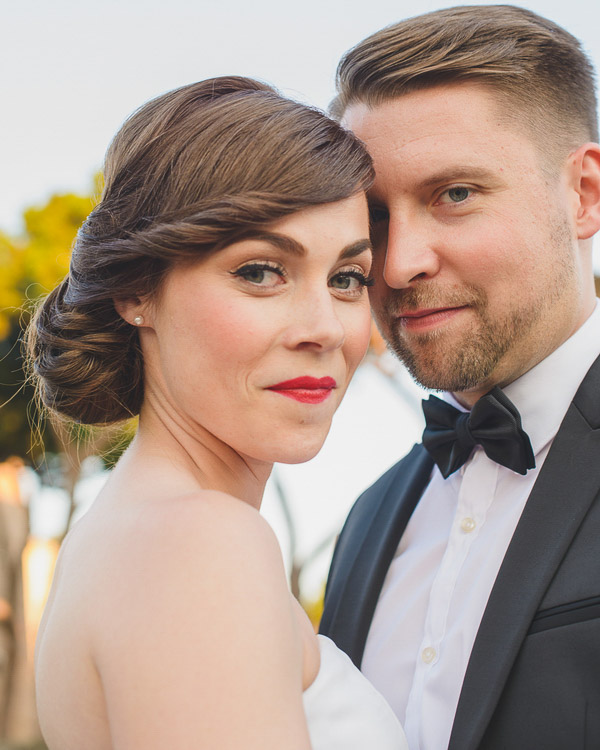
[477, 266]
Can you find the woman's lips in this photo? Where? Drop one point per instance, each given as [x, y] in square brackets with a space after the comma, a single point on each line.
[305, 389]
[427, 318]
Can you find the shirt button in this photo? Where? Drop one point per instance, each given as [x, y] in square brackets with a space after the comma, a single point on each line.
[428, 654]
[468, 525]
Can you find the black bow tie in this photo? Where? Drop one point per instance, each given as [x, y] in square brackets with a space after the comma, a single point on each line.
[494, 423]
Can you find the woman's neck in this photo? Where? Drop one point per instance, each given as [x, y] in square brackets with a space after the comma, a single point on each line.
[168, 442]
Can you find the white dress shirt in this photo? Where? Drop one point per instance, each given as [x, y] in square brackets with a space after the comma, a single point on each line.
[438, 584]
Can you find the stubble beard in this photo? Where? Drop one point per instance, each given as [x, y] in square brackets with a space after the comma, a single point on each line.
[466, 360]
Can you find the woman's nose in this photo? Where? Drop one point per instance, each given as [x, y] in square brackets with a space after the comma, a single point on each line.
[315, 324]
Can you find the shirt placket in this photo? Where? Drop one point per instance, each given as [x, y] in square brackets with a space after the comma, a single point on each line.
[478, 480]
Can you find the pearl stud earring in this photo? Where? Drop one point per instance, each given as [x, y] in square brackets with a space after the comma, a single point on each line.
[138, 320]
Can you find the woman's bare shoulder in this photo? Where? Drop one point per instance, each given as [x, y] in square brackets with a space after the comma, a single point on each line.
[126, 561]
[202, 523]
[164, 528]
[203, 608]
[207, 546]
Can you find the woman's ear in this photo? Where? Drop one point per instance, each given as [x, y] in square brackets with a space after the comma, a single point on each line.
[132, 310]
[585, 176]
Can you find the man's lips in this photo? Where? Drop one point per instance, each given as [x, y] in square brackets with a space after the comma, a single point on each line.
[426, 317]
[305, 389]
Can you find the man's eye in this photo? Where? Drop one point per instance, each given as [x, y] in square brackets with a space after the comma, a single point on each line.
[378, 214]
[260, 274]
[455, 195]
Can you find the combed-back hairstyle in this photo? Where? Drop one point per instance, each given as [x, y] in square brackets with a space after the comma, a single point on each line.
[538, 70]
[190, 172]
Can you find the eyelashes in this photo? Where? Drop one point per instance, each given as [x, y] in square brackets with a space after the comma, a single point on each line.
[346, 277]
[265, 275]
[455, 195]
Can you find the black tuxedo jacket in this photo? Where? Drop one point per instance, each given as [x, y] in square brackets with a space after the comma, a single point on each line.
[533, 678]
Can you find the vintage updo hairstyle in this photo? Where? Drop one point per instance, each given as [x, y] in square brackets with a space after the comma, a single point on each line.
[188, 173]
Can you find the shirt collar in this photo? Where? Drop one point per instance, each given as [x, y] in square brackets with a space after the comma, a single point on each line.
[543, 394]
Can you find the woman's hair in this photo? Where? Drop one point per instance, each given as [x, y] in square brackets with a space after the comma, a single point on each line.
[189, 172]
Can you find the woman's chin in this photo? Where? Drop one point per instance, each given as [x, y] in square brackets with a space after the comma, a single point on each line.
[297, 459]
[295, 451]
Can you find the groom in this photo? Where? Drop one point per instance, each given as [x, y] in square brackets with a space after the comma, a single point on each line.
[466, 581]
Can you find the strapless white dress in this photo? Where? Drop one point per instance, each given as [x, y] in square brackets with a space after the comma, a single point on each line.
[344, 711]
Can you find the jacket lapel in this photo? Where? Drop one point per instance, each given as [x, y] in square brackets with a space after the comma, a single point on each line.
[365, 550]
[550, 520]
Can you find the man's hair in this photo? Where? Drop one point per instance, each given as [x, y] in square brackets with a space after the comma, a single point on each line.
[538, 70]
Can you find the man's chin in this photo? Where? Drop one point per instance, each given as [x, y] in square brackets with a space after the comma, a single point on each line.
[442, 365]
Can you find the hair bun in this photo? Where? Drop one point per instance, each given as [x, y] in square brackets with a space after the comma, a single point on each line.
[85, 360]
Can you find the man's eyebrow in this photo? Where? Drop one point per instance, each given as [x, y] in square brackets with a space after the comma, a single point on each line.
[457, 174]
[292, 246]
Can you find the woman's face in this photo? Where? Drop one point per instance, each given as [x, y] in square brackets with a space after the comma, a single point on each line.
[256, 343]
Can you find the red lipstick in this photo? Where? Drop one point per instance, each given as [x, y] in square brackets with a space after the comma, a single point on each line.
[305, 389]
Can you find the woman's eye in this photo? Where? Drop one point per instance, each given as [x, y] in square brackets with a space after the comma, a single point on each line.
[457, 194]
[261, 274]
[351, 281]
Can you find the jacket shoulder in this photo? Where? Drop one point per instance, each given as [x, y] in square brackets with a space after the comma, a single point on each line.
[587, 398]
[371, 503]
[364, 505]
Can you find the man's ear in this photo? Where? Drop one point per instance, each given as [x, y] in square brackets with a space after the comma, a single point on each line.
[585, 175]
[132, 310]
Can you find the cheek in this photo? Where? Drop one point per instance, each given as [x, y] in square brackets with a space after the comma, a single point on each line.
[380, 288]
[377, 300]
[214, 338]
[233, 330]
[357, 336]
[514, 259]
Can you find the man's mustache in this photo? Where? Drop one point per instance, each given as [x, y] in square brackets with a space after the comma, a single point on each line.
[425, 297]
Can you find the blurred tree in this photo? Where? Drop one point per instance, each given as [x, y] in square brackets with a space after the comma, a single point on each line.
[34, 264]
[18, 719]
[31, 266]
[10, 297]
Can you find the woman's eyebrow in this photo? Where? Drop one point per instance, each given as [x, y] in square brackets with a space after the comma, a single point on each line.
[292, 246]
[282, 241]
[356, 248]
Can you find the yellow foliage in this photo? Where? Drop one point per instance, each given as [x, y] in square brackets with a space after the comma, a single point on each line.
[12, 270]
[50, 232]
[33, 264]
[314, 608]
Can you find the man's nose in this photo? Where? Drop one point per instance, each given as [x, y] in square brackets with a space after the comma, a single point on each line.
[411, 254]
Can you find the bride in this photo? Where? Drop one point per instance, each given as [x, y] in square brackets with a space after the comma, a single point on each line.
[219, 291]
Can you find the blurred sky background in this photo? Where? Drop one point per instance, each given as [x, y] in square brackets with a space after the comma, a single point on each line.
[72, 70]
